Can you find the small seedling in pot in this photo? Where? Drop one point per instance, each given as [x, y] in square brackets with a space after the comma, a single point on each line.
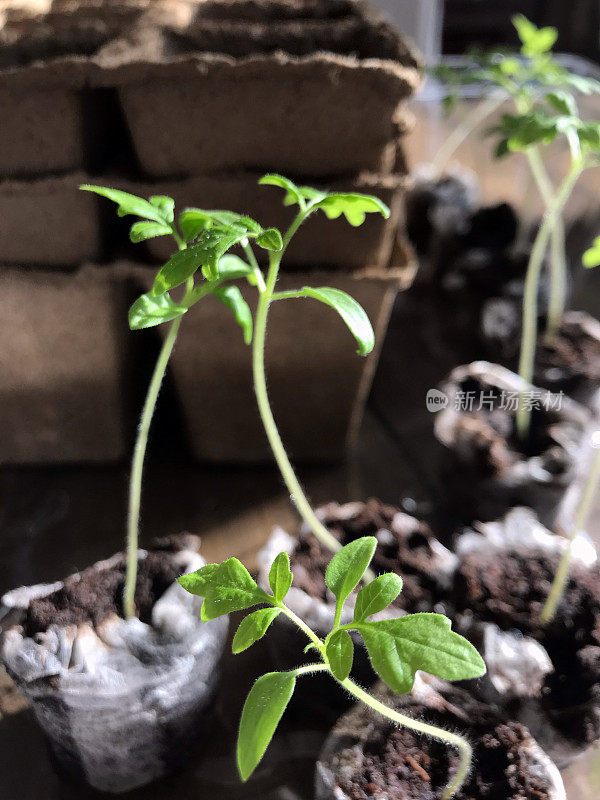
[545, 109]
[205, 268]
[397, 647]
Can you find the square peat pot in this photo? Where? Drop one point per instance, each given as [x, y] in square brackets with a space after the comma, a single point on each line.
[319, 242]
[49, 222]
[61, 363]
[282, 103]
[317, 383]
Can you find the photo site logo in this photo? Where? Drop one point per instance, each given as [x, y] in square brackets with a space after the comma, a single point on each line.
[467, 401]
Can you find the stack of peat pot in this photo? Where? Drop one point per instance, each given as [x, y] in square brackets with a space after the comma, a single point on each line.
[195, 100]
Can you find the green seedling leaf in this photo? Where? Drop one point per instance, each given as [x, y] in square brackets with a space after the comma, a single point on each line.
[231, 297]
[292, 196]
[354, 207]
[535, 41]
[225, 587]
[140, 231]
[128, 203]
[252, 628]
[192, 222]
[211, 247]
[263, 709]
[340, 653]
[280, 577]
[231, 219]
[349, 310]
[591, 257]
[347, 567]
[270, 239]
[399, 647]
[166, 206]
[148, 311]
[377, 595]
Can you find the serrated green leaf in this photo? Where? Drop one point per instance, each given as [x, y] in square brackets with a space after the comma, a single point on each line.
[340, 654]
[140, 231]
[127, 203]
[349, 310]
[148, 311]
[353, 206]
[591, 257]
[192, 222]
[377, 595]
[262, 712]
[225, 587]
[206, 254]
[252, 628]
[347, 567]
[270, 239]
[292, 196]
[399, 647]
[166, 206]
[280, 577]
[231, 297]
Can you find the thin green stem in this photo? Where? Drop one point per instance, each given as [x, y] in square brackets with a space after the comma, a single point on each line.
[558, 258]
[262, 398]
[260, 280]
[309, 669]
[303, 626]
[139, 454]
[530, 309]
[137, 467]
[562, 573]
[464, 748]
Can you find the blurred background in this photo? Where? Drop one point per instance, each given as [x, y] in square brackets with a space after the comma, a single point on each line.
[112, 92]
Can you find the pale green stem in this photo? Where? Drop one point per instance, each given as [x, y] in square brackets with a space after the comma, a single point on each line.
[476, 117]
[530, 310]
[464, 748]
[137, 467]
[558, 257]
[309, 669]
[303, 626]
[262, 398]
[139, 454]
[562, 573]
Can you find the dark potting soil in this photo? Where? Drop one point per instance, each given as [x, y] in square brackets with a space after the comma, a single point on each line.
[510, 591]
[404, 546]
[398, 764]
[498, 444]
[98, 594]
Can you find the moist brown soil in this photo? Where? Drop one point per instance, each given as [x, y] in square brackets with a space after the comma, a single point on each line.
[98, 594]
[405, 549]
[398, 764]
[510, 592]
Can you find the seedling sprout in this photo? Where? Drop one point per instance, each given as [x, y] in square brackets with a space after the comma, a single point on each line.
[397, 647]
[204, 267]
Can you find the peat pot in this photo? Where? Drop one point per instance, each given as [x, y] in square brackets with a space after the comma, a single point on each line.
[366, 755]
[119, 700]
[487, 468]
